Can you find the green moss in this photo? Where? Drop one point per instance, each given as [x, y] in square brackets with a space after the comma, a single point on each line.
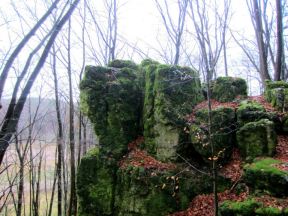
[250, 111]
[225, 89]
[112, 99]
[245, 208]
[277, 94]
[257, 139]
[171, 92]
[222, 130]
[268, 211]
[266, 165]
[276, 84]
[95, 184]
[122, 64]
[150, 192]
[264, 176]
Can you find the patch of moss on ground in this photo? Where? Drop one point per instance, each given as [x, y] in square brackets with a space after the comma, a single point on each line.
[268, 211]
[245, 208]
[264, 176]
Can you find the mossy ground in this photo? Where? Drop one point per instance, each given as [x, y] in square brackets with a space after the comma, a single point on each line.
[264, 176]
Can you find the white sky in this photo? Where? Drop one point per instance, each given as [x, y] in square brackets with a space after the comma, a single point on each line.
[139, 22]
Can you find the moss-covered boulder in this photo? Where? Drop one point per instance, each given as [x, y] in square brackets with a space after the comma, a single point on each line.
[251, 111]
[148, 192]
[264, 175]
[256, 139]
[277, 94]
[96, 184]
[269, 211]
[222, 133]
[171, 92]
[112, 99]
[245, 208]
[226, 89]
[249, 207]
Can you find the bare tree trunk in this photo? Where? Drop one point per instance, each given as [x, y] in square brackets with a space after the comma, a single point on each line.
[21, 178]
[59, 134]
[72, 210]
[53, 187]
[279, 69]
[258, 27]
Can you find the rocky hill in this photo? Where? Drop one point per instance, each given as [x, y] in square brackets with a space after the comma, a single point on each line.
[154, 156]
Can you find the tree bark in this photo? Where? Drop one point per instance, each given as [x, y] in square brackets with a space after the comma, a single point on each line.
[279, 42]
[59, 134]
[264, 74]
[72, 210]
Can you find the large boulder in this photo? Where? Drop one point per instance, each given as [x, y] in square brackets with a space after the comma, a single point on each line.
[266, 176]
[222, 133]
[244, 208]
[96, 184]
[251, 111]
[256, 139]
[149, 192]
[112, 99]
[226, 89]
[171, 92]
[277, 94]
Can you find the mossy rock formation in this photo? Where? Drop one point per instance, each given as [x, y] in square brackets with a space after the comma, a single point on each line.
[277, 94]
[124, 101]
[245, 208]
[171, 92]
[264, 175]
[256, 139]
[226, 89]
[222, 133]
[249, 207]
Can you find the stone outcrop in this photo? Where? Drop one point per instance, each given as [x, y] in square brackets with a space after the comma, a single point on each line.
[128, 175]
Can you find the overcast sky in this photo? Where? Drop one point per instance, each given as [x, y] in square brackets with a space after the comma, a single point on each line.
[139, 23]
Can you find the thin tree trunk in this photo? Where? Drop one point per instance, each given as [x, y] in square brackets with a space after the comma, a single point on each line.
[279, 41]
[53, 186]
[59, 134]
[72, 210]
[260, 42]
